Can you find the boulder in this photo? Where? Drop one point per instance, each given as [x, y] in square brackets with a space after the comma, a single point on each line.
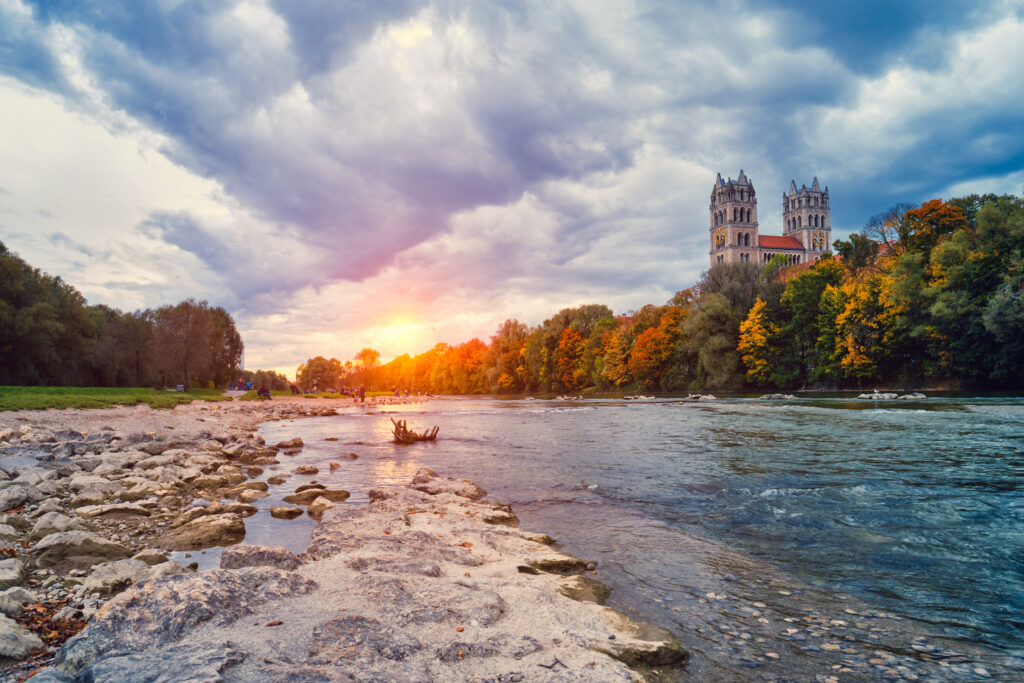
[52, 523]
[303, 497]
[295, 442]
[150, 556]
[16, 495]
[50, 488]
[110, 578]
[15, 641]
[114, 510]
[306, 469]
[240, 508]
[185, 663]
[13, 599]
[8, 534]
[12, 573]
[142, 490]
[319, 506]
[285, 512]
[48, 505]
[16, 521]
[428, 482]
[251, 496]
[194, 513]
[159, 612]
[209, 481]
[235, 491]
[153, 447]
[278, 557]
[76, 549]
[81, 481]
[205, 532]
[34, 476]
[156, 461]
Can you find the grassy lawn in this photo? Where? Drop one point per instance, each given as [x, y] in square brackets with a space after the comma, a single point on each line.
[38, 398]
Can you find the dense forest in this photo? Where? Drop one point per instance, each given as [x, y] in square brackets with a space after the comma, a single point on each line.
[49, 335]
[928, 296]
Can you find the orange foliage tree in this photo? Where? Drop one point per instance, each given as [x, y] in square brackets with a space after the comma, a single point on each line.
[569, 366]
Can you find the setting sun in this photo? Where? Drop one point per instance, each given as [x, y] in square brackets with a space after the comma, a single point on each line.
[400, 335]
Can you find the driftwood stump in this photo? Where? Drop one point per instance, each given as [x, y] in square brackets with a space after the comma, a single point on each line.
[405, 435]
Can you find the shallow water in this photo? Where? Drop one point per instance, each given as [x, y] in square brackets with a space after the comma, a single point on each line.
[914, 508]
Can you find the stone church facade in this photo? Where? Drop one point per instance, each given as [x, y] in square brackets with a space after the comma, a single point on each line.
[806, 224]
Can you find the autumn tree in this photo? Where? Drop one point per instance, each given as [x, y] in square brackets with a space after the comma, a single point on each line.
[755, 334]
[569, 369]
[921, 229]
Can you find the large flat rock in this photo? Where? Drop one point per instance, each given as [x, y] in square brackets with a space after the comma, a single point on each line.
[415, 586]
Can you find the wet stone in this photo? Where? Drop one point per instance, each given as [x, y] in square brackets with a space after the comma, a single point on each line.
[285, 512]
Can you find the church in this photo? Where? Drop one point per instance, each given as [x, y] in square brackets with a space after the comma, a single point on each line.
[806, 226]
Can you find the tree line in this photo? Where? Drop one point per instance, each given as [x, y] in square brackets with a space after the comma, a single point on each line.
[931, 296]
[49, 335]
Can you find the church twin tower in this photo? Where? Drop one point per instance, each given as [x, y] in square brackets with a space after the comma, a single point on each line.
[806, 233]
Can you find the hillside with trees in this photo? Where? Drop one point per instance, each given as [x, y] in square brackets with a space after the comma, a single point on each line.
[50, 336]
[928, 296]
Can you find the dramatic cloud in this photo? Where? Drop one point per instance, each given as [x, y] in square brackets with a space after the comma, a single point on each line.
[398, 173]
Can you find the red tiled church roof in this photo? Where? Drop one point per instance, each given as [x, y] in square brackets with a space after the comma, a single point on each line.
[779, 242]
[790, 272]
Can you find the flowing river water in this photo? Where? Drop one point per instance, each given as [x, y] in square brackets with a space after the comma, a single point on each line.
[778, 539]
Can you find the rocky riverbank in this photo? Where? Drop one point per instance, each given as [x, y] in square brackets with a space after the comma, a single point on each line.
[425, 583]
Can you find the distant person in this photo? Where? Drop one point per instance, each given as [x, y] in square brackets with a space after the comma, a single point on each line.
[263, 391]
[362, 394]
[295, 390]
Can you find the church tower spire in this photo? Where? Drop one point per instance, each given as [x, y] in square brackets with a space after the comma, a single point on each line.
[806, 215]
[733, 220]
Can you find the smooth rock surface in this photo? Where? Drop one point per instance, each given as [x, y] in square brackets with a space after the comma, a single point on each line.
[204, 532]
[277, 557]
[77, 547]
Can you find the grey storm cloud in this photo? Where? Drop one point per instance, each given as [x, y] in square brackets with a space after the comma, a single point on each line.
[174, 72]
[365, 162]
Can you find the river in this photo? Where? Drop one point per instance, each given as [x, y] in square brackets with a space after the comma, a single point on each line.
[910, 511]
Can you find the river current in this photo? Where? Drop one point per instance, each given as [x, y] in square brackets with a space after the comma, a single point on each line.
[911, 508]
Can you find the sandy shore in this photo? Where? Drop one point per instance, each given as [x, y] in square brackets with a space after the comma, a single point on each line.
[427, 582]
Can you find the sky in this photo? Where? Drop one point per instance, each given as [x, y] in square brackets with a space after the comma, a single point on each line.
[394, 174]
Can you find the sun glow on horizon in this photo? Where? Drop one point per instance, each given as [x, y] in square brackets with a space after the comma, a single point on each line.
[398, 336]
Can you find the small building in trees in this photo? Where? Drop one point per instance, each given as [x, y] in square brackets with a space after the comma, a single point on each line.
[806, 224]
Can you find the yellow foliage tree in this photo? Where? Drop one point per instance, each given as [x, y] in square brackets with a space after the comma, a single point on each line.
[755, 332]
